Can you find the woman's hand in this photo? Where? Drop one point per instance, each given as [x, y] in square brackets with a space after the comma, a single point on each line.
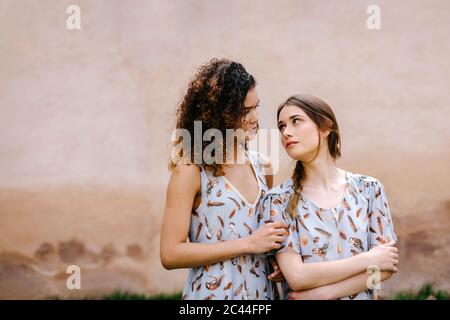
[385, 256]
[267, 237]
[277, 275]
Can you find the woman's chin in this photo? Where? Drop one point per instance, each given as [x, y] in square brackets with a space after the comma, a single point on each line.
[250, 135]
[295, 154]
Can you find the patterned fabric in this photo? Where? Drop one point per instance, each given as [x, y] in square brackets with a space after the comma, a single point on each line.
[361, 220]
[224, 214]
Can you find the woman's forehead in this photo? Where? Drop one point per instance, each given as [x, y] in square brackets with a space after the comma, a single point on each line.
[252, 98]
[289, 111]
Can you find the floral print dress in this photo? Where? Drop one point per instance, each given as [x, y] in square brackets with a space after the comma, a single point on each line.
[361, 220]
[224, 214]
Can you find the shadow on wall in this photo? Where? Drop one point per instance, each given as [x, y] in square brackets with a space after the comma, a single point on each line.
[424, 243]
[44, 275]
[111, 236]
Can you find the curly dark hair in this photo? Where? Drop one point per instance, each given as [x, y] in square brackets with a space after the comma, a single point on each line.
[215, 96]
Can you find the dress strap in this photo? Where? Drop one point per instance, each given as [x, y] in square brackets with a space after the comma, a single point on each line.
[204, 180]
[257, 164]
[207, 182]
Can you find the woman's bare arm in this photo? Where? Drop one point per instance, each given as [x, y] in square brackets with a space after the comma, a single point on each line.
[302, 276]
[177, 252]
[344, 288]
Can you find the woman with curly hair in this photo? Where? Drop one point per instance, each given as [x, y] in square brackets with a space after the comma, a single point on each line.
[340, 222]
[216, 203]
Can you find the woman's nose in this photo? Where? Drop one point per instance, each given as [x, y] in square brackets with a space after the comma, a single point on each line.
[286, 132]
[254, 115]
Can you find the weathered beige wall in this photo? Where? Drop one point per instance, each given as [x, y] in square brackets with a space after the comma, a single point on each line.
[85, 118]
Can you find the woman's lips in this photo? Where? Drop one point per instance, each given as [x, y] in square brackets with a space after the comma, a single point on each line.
[290, 144]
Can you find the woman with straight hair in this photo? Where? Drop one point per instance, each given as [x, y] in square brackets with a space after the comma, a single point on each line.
[341, 230]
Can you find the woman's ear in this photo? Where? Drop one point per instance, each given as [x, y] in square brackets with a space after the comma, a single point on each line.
[324, 133]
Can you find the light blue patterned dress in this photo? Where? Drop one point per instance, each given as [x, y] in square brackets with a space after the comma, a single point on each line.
[361, 220]
[224, 214]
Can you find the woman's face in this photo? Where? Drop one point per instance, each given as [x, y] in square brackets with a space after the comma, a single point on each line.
[299, 134]
[250, 122]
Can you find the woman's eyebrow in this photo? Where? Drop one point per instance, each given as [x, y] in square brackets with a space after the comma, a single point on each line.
[291, 117]
[254, 105]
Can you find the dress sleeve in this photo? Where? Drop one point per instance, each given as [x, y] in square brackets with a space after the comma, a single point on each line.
[381, 225]
[274, 209]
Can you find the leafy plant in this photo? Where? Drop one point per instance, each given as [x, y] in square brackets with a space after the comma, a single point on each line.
[426, 292]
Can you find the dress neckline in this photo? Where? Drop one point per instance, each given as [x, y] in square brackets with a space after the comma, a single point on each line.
[248, 203]
[341, 201]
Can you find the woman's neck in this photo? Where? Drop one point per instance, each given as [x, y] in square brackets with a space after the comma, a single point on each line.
[238, 156]
[322, 172]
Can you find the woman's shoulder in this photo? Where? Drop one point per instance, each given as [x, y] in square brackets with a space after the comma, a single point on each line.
[364, 182]
[187, 169]
[188, 174]
[283, 189]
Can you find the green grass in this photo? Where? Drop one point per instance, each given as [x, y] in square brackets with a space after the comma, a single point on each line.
[123, 295]
[427, 291]
[120, 295]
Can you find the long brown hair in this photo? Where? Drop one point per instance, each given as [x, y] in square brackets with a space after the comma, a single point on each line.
[323, 116]
[215, 96]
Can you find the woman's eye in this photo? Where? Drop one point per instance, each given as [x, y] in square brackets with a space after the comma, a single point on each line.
[281, 127]
[294, 121]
